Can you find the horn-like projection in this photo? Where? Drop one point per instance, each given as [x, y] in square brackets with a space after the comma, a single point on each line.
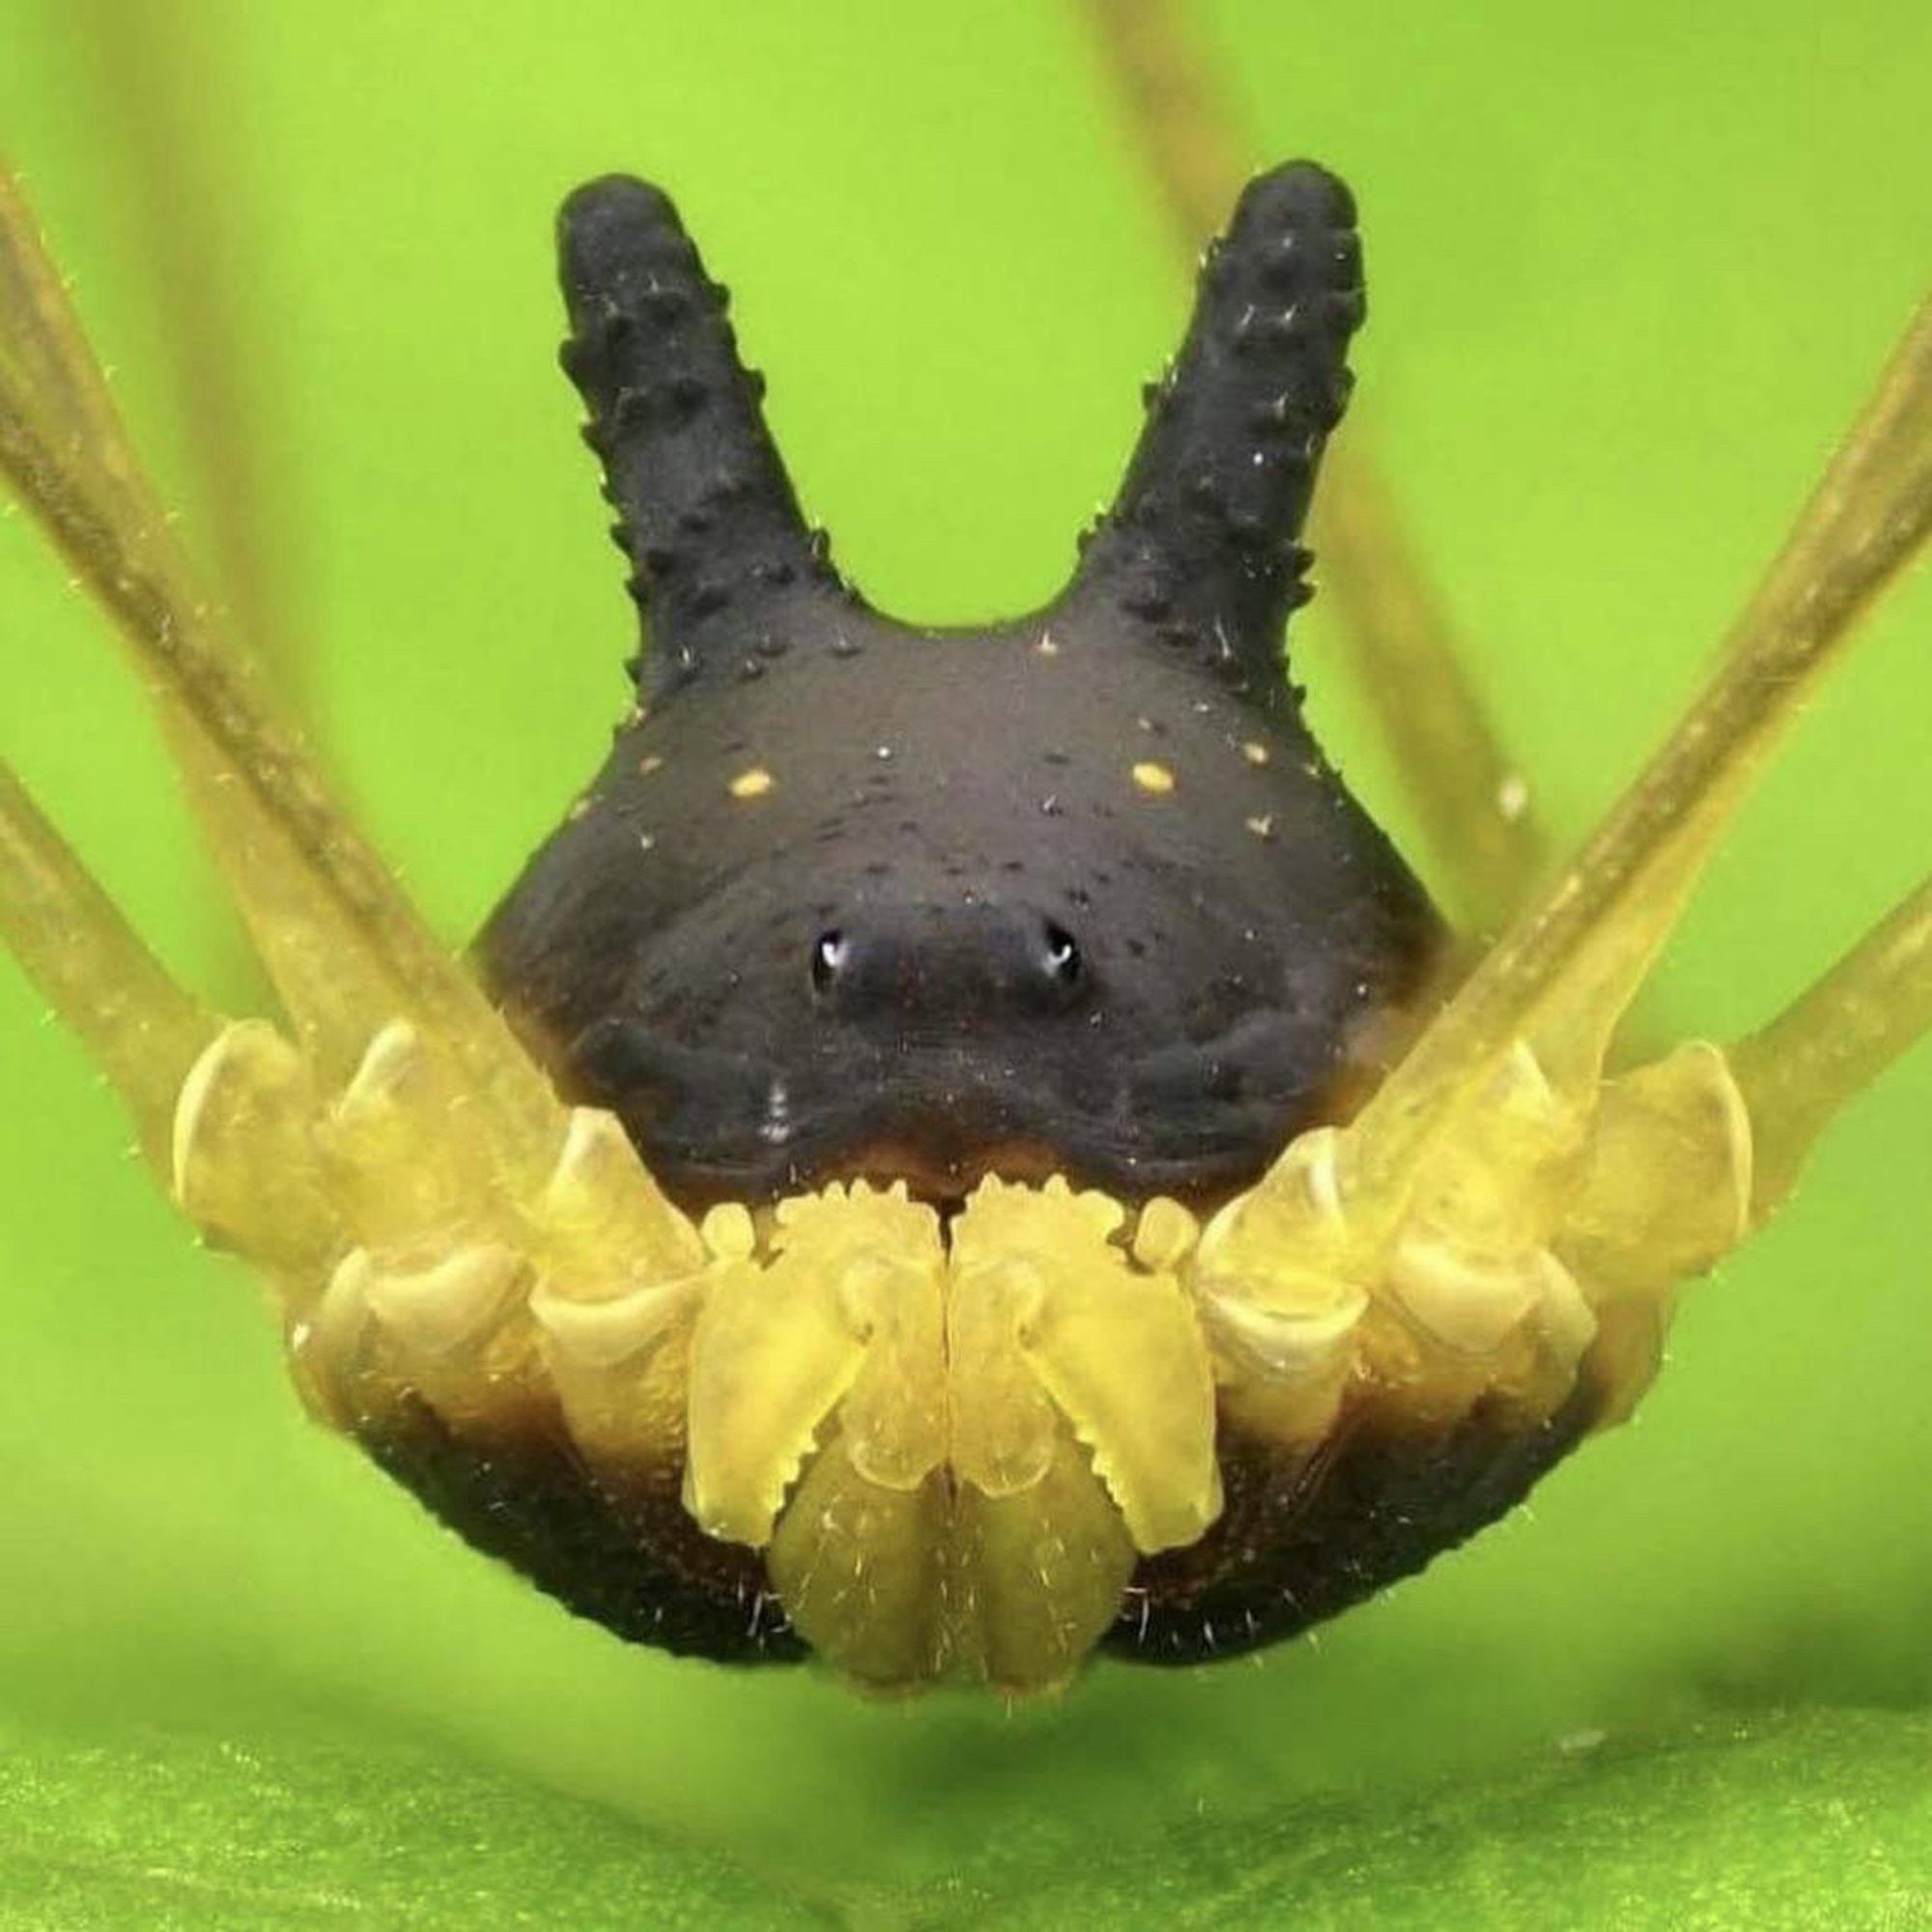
[1203, 537]
[706, 511]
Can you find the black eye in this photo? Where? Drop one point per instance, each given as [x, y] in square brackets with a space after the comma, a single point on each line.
[828, 952]
[1063, 956]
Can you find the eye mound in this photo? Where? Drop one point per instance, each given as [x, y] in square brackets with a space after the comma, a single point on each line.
[1063, 956]
[829, 951]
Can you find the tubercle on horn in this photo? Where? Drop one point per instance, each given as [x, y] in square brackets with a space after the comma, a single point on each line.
[706, 512]
[1200, 548]
[1202, 539]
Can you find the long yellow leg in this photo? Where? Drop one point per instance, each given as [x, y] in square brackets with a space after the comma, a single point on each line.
[1833, 1041]
[434, 1082]
[346, 948]
[1468, 795]
[141, 1028]
[1496, 1193]
[41, 375]
[1562, 976]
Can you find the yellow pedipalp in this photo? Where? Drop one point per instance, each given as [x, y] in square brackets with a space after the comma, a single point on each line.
[955, 1456]
[1002, 1425]
[141, 1028]
[779, 1347]
[1119, 1352]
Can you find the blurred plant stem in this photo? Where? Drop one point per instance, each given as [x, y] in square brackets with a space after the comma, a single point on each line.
[177, 137]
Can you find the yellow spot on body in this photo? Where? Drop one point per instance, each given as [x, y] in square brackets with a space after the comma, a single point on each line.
[1263, 826]
[580, 808]
[754, 783]
[1254, 750]
[1048, 645]
[651, 764]
[1154, 777]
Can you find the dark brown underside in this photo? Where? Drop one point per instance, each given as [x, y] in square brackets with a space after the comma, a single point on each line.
[1296, 1544]
[1300, 1542]
[637, 1565]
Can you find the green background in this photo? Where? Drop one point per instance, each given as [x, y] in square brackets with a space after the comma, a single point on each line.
[1631, 272]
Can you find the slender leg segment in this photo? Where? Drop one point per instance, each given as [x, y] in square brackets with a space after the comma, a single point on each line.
[1495, 1177]
[1572, 962]
[1468, 795]
[45, 376]
[145, 1032]
[1832, 1043]
[341, 941]
[352, 961]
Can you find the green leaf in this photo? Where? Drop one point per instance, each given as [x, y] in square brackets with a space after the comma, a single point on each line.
[1786, 1820]
[1816, 1819]
[209, 1834]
